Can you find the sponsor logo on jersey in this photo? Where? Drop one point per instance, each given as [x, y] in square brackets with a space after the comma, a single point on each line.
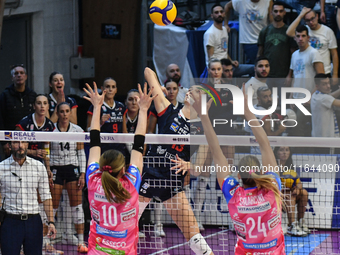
[100, 197]
[127, 205]
[32, 127]
[126, 216]
[260, 245]
[111, 243]
[109, 251]
[133, 169]
[119, 113]
[274, 211]
[132, 177]
[239, 226]
[92, 167]
[232, 191]
[177, 121]
[160, 150]
[260, 253]
[174, 127]
[104, 108]
[254, 209]
[235, 216]
[273, 222]
[87, 137]
[95, 214]
[146, 185]
[106, 232]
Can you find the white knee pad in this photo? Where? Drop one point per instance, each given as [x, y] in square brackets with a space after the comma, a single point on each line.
[199, 245]
[42, 214]
[78, 214]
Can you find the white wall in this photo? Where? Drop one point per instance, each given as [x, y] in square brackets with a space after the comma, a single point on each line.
[54, 39]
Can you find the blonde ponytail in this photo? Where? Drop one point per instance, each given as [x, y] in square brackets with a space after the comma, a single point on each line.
[111, 163]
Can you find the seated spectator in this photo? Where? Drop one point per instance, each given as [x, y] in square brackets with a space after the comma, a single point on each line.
[294, 195]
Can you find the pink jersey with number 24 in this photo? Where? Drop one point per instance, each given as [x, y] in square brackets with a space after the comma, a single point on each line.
[256, 218]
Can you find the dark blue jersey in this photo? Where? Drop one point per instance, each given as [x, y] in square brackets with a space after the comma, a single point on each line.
[130, 124]
[170, 121]
[28, 123]
[114, 123]
[152, 110]
[53, 103]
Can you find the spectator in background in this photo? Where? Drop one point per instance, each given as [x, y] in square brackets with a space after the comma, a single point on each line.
[264, 97]
[254, 15]
[274, 44]
[57, 96]
[262, 69]
[322, 39]
[323, 104]
[215, 42]
[305, 63]
[299, 4]
[16, 102]
[173, 73]
[328, 17]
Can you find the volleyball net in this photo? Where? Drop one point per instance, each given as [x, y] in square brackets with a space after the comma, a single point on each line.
[315, 166]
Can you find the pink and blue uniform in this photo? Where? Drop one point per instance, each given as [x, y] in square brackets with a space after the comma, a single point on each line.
[256, 218]
[114, 227]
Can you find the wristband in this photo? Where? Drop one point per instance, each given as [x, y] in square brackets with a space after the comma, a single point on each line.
[94, 138]
[138, 143]
[50, 222]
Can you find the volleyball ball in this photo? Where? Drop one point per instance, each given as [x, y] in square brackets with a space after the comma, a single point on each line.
[290, 178]
[162, 12]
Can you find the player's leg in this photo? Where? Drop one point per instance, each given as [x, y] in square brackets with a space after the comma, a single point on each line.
[302, 200]
[75, 196]
[182, 214]
[200, 191]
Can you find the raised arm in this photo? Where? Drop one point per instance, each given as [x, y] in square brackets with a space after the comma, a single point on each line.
[216, 152]
[144, 103]
[227, 8]
[161, 102]
[291, 29]
[268, 158]
[97, 101]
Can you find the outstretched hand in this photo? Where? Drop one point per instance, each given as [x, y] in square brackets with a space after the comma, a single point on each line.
[196, 96]
[144, 100]
[93, 95]
[181, 165]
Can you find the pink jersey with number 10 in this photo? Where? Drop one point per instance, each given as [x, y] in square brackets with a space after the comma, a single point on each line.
[114, 227]
[256, 218]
